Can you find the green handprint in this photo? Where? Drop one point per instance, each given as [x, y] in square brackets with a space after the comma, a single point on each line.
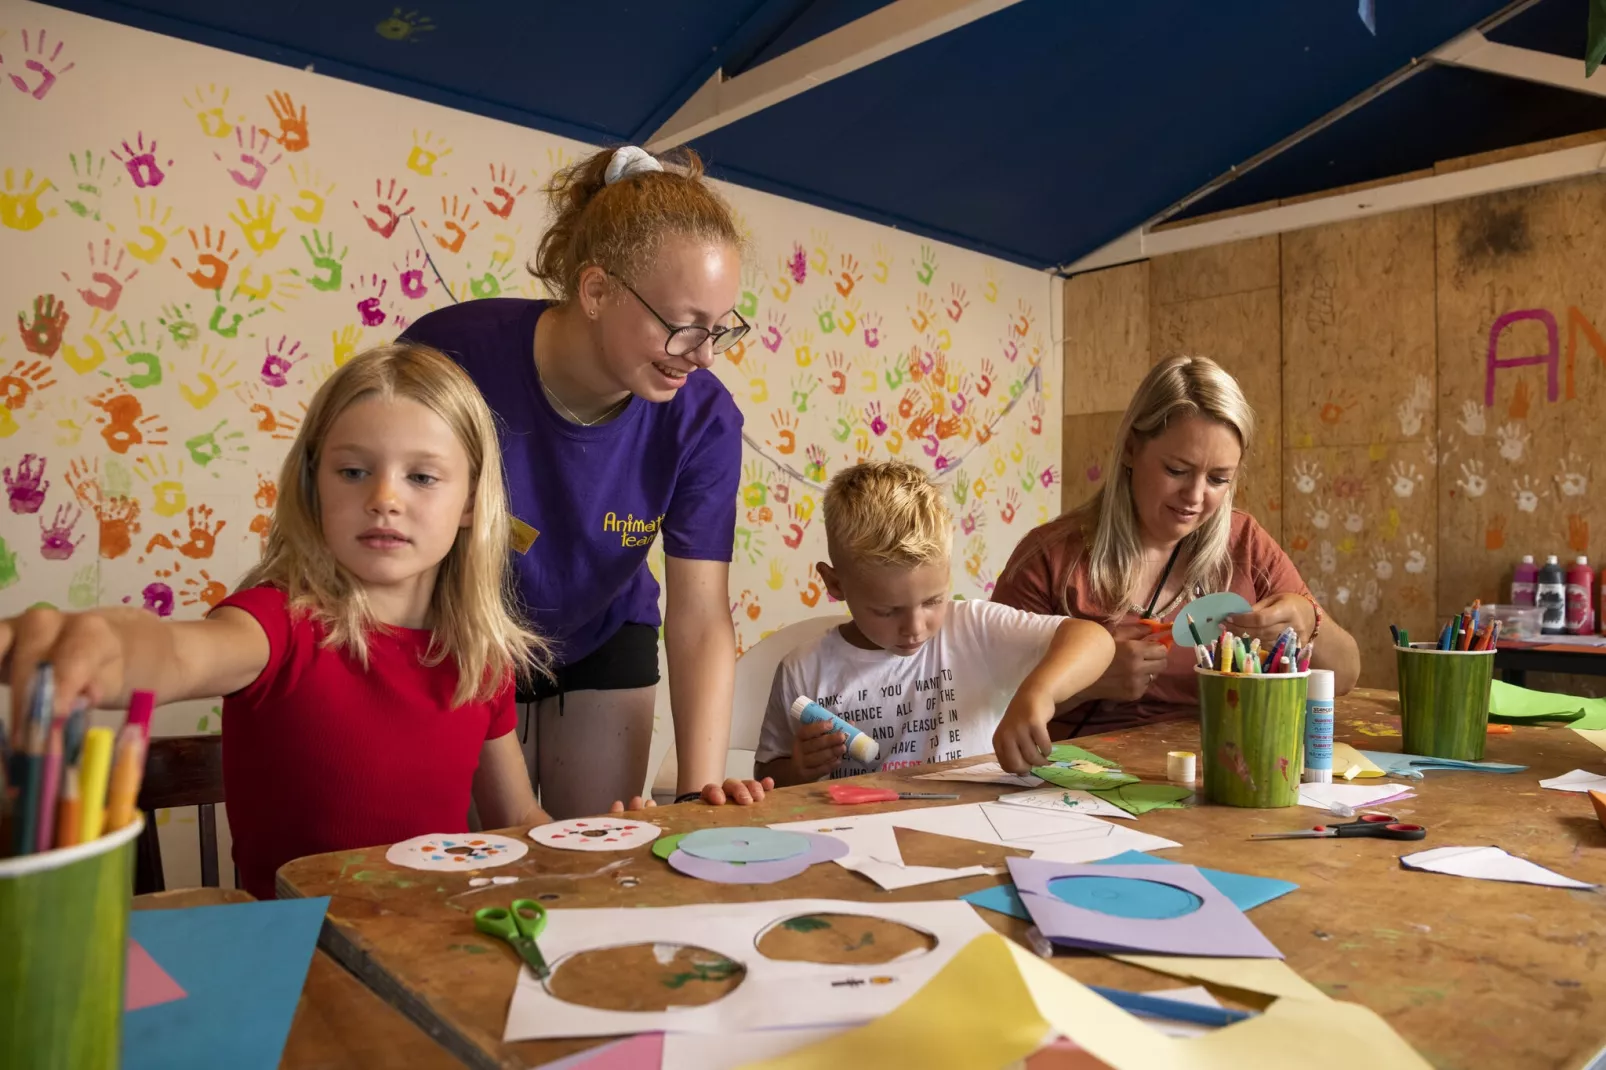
[176, 320]
[928, 265]
[206, 721]
[749, 305]
[151, 376]
[205, 448]
[325, 261]
[84, 591]
[8, 566]
[489, 284]
[88, 174]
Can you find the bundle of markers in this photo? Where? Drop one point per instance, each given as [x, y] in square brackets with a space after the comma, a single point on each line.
[1474, 628]
[1233, 654]
[63, 783]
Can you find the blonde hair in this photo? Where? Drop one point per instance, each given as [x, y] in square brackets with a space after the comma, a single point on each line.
[1175, 388]
[470, 618]
[619, 227]
[886, 513]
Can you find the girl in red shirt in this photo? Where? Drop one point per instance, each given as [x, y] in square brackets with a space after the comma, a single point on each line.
[368, 660]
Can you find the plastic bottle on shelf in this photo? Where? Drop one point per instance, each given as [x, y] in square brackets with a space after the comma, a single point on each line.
[1550, 595]
[1580, 604]
[1523, 579]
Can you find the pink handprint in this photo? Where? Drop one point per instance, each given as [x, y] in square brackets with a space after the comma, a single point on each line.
[26, 489]
[412, 276]
[158, 598]
[798, 265]
[955, 308]
[276, 368]
[1036, 409]
[140, 162]
[103, 275]
[872, 329]
[1011, 506]
[390, 201]
[56, 542]
[815, 469]
[42, 66]
[370, 308]
[774, 333]
[873, 416]
[253, 144]
[984, 384]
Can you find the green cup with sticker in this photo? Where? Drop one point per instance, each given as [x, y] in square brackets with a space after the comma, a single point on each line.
[1252, 736]
[1444, 700]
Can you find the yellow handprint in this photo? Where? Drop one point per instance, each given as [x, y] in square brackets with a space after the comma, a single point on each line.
[19, 205]
[257, 224]
[345, 343]
[776, 576]
[310, 201]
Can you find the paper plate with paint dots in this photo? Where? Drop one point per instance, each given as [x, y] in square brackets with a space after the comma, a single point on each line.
[595, 834]
[464, 851]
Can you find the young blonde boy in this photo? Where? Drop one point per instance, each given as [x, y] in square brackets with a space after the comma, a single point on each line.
[929, 678]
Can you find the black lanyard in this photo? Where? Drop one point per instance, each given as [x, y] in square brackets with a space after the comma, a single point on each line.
[1154, 598]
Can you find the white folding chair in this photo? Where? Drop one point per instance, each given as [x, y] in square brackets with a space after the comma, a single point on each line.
[755, 674]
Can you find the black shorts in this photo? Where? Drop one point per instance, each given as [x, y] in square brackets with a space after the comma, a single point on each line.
[627, 659]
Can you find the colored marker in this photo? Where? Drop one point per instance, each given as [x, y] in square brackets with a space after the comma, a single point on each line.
[128, 768]
[49, 787]
[93, 774]
[69, 803]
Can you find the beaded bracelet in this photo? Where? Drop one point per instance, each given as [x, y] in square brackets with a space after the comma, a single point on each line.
[688, 796]
[1318, 611]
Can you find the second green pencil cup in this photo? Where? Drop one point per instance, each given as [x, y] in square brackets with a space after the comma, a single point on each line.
[1252, 732]
[63, 948]
[1444, 700]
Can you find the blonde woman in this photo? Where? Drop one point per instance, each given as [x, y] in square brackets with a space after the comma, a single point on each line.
[368, 662]
[1161, 530]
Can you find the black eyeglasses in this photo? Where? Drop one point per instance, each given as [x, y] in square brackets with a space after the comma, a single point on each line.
[683, 341]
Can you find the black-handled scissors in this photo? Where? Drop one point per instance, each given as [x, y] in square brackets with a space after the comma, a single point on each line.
[1380, 825]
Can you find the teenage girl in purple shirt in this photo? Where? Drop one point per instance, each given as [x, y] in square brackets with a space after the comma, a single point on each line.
[615, 434]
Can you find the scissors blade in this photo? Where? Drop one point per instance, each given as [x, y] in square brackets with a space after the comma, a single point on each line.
[1304, 834]
[531, 954]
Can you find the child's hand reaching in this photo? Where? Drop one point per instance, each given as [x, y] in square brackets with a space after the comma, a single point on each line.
[816, 749]
[740, 792]
[1021, 740]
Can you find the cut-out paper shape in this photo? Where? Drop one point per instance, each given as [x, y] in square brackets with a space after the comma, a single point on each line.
[1125, 897]
[1208, 615]
[744, 844]
[1489, 864]
[1346, 758]
[1579, 780]
[1323, 796]
[1138, 799]
[983, 773]
[664, 846]
[1082, 775]
[775, 993]
[819, 849]
[1598, 798]
[595, 834]
[1245, 890]
[146, 984]
[481, 882]
[1411, 765]
[459, 851]
[644, 1052]
[1217, 927]
[1058, 800]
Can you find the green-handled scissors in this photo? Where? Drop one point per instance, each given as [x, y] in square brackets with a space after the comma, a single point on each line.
[519, 926]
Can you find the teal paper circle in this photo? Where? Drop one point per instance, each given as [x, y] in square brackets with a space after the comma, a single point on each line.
[749, 844]
[1126, 897]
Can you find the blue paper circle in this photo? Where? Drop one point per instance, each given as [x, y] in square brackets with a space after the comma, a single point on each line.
[744, 844]
[1208, 613]
[1126, 897]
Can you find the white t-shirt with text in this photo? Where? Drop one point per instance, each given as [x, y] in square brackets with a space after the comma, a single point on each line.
[940, 703]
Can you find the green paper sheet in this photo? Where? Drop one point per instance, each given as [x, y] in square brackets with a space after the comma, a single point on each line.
[1070, 776]
[1509, 704]
[1070, 752]
[1138, 799]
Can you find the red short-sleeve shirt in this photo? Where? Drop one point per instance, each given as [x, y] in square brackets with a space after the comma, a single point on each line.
[1047, 573]
[320, 755]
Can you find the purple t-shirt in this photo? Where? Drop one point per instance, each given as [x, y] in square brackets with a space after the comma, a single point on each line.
[598, 496]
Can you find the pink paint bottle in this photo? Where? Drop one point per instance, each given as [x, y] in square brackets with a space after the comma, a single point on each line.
[1580, 606]
[1524, 578]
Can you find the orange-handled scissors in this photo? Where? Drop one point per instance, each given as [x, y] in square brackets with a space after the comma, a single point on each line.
[1159, 632]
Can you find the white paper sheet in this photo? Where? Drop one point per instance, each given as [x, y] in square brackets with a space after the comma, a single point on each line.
[1577, 780]
[1321, 796]
[1489, 864]
[1597, 736]
[891, 876]
[1061, 837]
[773, 995]
[1066, 801]
[983, 773]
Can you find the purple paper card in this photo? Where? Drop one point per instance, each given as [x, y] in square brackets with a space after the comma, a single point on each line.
[821, 849]
[1164, 910]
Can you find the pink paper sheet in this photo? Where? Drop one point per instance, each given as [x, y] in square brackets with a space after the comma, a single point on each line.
[146, 984]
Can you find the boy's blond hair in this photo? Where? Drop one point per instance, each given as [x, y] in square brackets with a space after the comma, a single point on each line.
[886, 513]
[470, 616]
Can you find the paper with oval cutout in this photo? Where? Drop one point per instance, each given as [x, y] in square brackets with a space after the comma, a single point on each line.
[1208, 613]
[595, 834]
[820, 849]
[457, 851]
[744, 844]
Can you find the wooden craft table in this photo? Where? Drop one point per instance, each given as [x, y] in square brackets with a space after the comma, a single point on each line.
[339, 1024]
[1514, 660]
[1473, 973]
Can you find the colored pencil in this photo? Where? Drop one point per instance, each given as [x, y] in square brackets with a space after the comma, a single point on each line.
[1193, 629]
[30, 766]
[1174, 1009]
[93, 775]
[69, 804]
[128, 768]
[49, 787]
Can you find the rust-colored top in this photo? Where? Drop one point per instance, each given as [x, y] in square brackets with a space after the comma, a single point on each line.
[1048, 573]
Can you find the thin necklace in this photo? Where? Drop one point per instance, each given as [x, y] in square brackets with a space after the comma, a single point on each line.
[547, 390]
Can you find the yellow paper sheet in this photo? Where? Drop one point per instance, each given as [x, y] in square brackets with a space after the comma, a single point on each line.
[1269, 977]
[1597, 736]
[1345, 756]
[996, 1002]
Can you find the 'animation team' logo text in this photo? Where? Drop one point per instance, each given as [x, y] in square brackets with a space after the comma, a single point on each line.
[631, 531]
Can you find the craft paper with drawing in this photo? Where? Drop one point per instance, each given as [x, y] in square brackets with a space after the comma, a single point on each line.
[774, 993]
[457, 851]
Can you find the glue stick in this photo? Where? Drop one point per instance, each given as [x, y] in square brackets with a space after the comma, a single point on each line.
[861, 748]
[1319, 727]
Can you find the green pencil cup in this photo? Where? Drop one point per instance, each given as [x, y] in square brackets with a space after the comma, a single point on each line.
[1444, 700]
[63, 949]
[1252, 737]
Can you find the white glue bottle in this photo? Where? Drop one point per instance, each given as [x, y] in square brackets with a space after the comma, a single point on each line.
[1319, 727]
[861, 748]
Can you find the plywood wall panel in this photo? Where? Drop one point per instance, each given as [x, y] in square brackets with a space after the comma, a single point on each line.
[1089, 440]
[1106, 337]
[1215, 271]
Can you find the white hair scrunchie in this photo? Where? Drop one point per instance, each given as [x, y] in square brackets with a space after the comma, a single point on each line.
[628, 161]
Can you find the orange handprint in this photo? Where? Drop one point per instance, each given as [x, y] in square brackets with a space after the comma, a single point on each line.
[201, 539]
[118, 517]
[124, 423]
[212, 265]
[456, 215]
[500, 204]
[848, 276]
[786, 430]
[292, 124]
[20, 383]
[204, 591]
[1494, 536]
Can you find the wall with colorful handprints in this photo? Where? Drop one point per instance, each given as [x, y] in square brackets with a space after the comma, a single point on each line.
[1429, 386]
[193, 241]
